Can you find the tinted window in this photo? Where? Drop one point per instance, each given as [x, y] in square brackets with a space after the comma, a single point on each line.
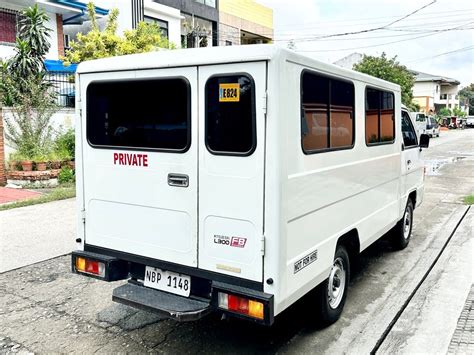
[379, 116]
[408, 132]
[139, 114]
[327, 113]
[230, 115]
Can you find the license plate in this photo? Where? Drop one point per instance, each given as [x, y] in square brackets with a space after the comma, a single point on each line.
[167, 281]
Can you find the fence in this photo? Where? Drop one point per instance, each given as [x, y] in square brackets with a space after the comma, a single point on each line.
[63, 83]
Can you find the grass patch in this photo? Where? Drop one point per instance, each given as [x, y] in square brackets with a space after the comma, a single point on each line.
[61, 192]
[469, 200]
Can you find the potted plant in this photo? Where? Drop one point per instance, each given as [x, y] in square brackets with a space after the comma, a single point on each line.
[54, 160]
[26, 163]
[13, 161]
[40, 160]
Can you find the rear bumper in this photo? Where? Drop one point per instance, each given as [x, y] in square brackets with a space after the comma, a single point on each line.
[205, 287]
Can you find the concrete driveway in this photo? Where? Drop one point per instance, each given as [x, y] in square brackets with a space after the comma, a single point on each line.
[36, 233]
[398, 301]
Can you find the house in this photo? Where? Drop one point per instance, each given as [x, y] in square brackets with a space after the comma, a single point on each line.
[433, 92]
[244, 22]
[60, 14]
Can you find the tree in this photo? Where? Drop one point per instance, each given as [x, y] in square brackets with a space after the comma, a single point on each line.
[27, 65]
[23, 88]
[390, 70]
[101, 44]
[444, 111]
[467, 95]
[458, 112]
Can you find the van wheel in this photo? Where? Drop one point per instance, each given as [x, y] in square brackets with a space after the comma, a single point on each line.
[402, 231]
[331, 294]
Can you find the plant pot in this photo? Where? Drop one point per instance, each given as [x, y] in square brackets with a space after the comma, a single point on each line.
[27, 165]
[41, 165]
[56, 164]
[13, 165]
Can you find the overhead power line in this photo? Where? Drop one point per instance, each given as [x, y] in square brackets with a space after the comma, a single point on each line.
[459, 50]
[457, 28]
[380, 27]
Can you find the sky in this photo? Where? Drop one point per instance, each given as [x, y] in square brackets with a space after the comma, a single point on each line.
[438, 38]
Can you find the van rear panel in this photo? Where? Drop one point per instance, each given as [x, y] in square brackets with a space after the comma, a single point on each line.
[173, 166]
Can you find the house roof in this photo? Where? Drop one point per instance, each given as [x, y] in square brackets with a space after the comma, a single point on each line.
[420, 77]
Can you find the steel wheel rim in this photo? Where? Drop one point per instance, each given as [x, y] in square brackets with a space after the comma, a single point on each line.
[336, 283]
[407, 224]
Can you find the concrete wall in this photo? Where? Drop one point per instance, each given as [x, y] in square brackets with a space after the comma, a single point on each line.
[62, 119]
[248, 10]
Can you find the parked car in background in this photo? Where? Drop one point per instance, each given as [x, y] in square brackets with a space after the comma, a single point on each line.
[432, 127]
[470, 121]
[420, 121]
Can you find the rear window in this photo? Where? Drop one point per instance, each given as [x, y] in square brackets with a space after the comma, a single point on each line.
[230, 115]
[141, 114]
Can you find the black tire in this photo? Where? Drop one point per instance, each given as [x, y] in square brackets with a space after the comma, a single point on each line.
[329, 307]
[401, 233]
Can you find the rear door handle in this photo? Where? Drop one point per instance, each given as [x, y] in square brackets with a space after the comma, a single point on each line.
[178, 180]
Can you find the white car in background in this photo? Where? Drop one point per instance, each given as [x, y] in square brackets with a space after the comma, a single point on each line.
[470, 121]
[432, 127]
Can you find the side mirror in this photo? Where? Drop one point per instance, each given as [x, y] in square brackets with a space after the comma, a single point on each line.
[424, 141]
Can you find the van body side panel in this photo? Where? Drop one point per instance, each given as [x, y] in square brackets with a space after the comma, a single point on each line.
[330, 193]
[130, 204]
[231, 183]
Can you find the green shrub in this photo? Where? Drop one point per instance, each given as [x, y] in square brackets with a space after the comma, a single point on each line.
[65, 145]
[66, 175]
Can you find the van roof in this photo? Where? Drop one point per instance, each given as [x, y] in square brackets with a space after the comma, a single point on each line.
[219, 55]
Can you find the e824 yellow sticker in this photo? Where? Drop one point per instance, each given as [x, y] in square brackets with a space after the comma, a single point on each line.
[229, 92]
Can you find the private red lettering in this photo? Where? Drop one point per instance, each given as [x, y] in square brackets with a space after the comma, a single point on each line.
[131, 159]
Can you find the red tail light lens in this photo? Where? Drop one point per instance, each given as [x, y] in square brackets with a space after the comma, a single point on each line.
[90, 266]
[241, 305]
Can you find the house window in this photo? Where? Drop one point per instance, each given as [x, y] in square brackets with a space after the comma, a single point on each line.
[379, 117]
[327, 113]
[163, 25]
[443, 96]
[437, 88]
[8, 26]
[228, 43]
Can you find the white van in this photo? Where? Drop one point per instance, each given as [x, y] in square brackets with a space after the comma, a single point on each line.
[237, 179]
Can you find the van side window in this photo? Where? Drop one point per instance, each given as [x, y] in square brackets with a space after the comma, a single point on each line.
[408, 132]
[379, 117]
[327, 110]
[144, 114]
[230, 125]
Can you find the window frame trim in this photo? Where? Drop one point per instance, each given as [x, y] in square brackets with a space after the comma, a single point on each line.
[254, 116]
[329, 77]
[145, 149]
[379, 109]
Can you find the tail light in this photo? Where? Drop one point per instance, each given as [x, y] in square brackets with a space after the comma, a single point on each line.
[92, 267]
[241, 305]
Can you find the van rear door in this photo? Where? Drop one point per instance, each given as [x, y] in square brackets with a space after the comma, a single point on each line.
[232, 101]
[140, 162]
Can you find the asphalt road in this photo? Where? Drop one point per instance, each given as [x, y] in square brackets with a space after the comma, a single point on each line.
[45, 308]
